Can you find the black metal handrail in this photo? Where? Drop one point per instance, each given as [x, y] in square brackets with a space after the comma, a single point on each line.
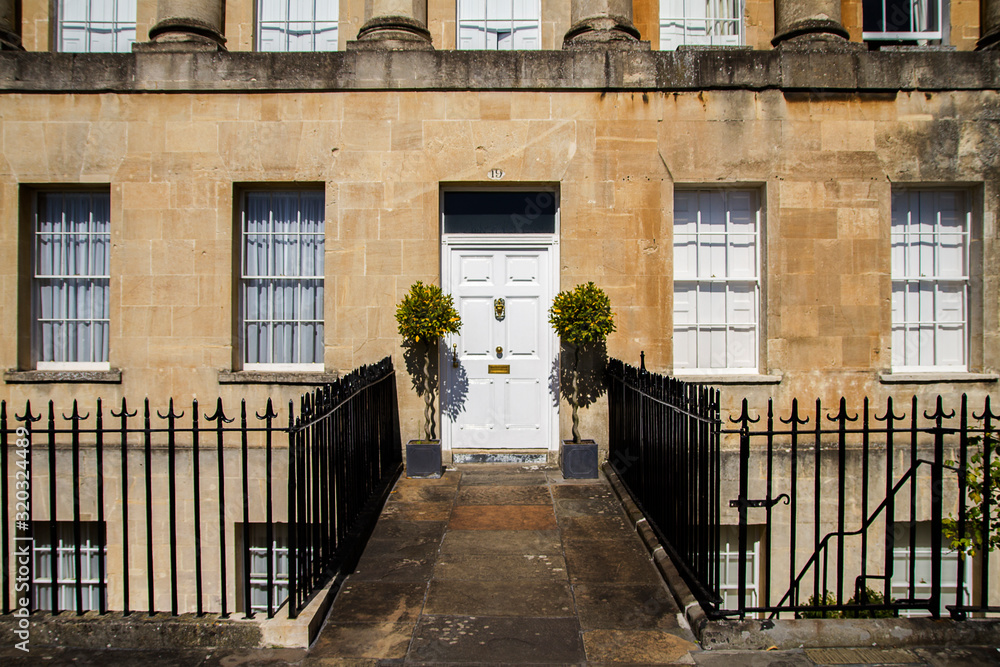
[832, 492]
[160, 481]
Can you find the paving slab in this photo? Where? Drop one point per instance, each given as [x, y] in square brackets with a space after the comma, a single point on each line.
[640, 606]
[378, 602]
[502, 542]
[501, 567]
[590, 490]
[600, 527]
[500, 598]
[403, 548]
[465, 640]
[608, 561]
[363, 640]
[579, 507]
[501, 475]
[503, 517]
[412, 492]
[418, 511]
[503, 495]
[393, 568]
[635, 646]
[389, 528]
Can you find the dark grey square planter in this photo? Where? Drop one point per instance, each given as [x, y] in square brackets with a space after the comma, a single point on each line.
[423, 459]
[578, 460]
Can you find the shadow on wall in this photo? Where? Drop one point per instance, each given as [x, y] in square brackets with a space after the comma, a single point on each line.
[591, 382]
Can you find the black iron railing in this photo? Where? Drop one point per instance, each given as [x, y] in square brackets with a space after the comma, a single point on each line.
[828, 514]
[664, 445]
[139, 503]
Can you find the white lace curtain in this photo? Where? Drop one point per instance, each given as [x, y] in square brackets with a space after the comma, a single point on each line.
[283, 278]
[72, 239]
[700, 22]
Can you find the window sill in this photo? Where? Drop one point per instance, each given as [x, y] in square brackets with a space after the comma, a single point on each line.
[723, 378]
[932, 377]
[277, 377]
[112, 376]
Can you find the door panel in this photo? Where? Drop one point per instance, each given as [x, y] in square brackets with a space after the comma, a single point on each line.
[496, 387]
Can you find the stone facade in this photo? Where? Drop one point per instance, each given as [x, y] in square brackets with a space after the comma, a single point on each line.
[825, 162]
[823, 135]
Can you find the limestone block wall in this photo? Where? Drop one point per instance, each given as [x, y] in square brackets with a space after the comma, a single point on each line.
[825, 166]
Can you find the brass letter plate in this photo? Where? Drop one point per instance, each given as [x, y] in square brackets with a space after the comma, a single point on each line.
[498, 369]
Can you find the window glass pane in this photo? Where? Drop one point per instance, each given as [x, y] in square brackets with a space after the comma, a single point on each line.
[95, 25]
[72, 272]
[930, 232]
[716, 248]
[297, 25]
[282, 285]
[498, 24]
[499, 212]
[56, 562]
[700, 22]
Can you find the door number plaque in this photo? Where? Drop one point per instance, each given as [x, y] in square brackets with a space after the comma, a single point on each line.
[499, 369]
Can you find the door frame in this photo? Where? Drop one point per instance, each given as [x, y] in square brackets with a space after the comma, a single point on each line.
[495, 242]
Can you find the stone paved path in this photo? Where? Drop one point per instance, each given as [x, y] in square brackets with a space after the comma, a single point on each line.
[503, 564]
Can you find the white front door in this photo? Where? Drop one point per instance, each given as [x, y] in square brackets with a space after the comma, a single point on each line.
[499, 375]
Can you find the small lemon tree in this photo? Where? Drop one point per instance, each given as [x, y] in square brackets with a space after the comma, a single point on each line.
[424, 315]
[581, 316]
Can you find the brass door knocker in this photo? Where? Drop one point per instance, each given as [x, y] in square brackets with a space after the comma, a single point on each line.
[499, 309]
[454, 355]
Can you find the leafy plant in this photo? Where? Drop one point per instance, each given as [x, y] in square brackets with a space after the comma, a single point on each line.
[980, 490]
[581, 316]
[827, 599]
[869, 596]
[424, 315]
[866, 596]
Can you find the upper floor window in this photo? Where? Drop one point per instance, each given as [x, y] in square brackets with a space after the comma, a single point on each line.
[930, 280]
[716, 280]
[895, 20]
[297, 25]
[281, 286]
[94, 26]
[700, 22]
[501, 25]
[70, 280]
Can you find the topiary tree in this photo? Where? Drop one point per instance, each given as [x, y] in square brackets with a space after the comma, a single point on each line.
[581, 316]
[424, 315]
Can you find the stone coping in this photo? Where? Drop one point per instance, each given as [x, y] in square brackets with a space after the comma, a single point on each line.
[936, 377]
[270, 377]
[112, 376]
[806, 71]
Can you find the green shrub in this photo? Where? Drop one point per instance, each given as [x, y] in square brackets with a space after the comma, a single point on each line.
[426, 313]
[582, 315]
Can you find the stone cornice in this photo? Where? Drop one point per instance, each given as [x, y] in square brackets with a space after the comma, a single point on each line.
[584, 70]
